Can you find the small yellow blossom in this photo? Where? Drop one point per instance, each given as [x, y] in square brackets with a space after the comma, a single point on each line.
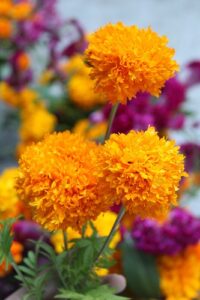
[103, 224]
[10, 205]
[90, 131]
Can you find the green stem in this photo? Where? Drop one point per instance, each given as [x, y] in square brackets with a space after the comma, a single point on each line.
[110, 121]
[65, 240]
[112, 232]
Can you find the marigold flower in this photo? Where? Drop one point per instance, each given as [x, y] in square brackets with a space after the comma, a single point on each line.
[5, 7]
[10, 205]
[21, 11]
[8, 94]
[180, 274]
[36, 123]
[16, 252]
[58, 181]
[6, 28]
[126, 60]
[23, 61]
[142, 171]
[80, 86]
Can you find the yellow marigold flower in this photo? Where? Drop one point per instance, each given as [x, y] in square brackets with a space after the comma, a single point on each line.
[142, 171]
[90, 131]
[36, 123]
[16, 252]
[126, 60]
[10, 205]
[21, 11]
[80, 87]
[58, 181]
[6, 28]
[8, 94]
[180, 274]
[81, 92]
[103, 224]
[23, 61]
[46, 77]
[24, 98]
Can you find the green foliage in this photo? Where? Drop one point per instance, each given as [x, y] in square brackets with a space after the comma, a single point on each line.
[6, 239]
[102, 292]
[141, 272]
[72, 270]
[32, 276]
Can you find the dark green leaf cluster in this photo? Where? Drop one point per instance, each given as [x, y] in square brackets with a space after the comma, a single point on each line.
[72, 272]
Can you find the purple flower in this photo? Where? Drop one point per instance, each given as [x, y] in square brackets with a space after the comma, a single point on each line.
[192, 156]
[179, 231]
[175, 93]
[193, 73]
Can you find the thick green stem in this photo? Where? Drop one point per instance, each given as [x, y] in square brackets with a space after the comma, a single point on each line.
[110, 121]
[65, 240]
[112, 232]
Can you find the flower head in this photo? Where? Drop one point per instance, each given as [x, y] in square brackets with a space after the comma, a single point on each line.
[141, 171]
[58, 181]
[6, 28]
[10, 205]
[80, 86]
[21, 11]
[180, 274]
[126, 60]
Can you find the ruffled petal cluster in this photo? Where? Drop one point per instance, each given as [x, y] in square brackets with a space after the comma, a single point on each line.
[126, 60]
[180, 274]
[141, 171]
[58, 181]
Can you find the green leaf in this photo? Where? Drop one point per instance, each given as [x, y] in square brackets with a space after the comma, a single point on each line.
[141, 272]
[102, 292]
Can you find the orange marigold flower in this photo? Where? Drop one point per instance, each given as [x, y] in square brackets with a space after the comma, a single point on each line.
[23, 61]
[5, 7]
[21, 11]
[180, 274]
[16, 252]
[6, 28]
[126, 60]
[58, 181]
[142, 171]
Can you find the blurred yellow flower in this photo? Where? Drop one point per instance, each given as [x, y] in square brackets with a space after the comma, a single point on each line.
[10, 205]
[180, 274]
[142, 171]
[36, 123]
[5, 7]
[103, 224]
[23, 61]
[90, 131]
[80, 87]
[126, 60]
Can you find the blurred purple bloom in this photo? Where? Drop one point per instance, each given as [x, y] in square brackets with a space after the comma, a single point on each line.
[192, 156]
[193, 73]
[179, 231]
